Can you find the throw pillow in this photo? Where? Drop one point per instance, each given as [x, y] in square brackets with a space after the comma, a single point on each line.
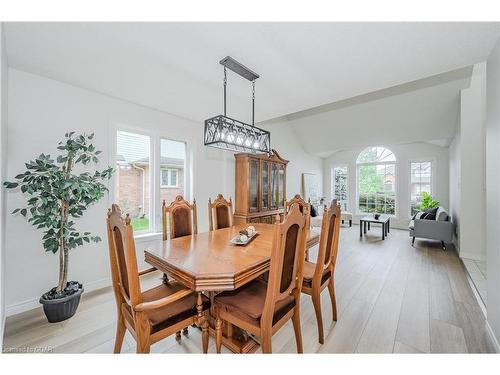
[430, 214]
[418, 215]
[314, 213]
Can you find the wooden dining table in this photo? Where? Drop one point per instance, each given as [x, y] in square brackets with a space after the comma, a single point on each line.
[208, 263]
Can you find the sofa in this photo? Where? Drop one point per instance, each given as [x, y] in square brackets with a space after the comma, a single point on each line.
[440, 228]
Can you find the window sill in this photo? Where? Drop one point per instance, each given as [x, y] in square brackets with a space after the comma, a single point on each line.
[143, 237]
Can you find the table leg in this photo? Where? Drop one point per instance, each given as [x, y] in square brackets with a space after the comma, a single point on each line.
[202, 322]
[388, 225]
[361, 228]
[369, 226]
[383, 232]
[364, 226]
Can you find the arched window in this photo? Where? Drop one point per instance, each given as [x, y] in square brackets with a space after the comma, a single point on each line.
[376, 167]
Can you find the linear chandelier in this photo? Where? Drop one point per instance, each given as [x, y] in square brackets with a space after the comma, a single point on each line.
[227, 133]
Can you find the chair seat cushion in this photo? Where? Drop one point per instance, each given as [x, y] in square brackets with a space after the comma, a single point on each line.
[247, 302]
[309, 269]
[175, 312]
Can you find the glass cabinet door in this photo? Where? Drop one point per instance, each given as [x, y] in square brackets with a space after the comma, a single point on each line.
[274, 185]
[254, 185]
[281, 187]
[265, 185]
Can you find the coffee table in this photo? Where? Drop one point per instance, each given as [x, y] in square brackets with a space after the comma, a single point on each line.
[367, 220]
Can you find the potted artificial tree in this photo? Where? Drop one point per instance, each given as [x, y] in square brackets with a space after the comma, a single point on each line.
[55, 196]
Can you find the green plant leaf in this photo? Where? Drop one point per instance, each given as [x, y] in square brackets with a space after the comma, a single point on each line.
[10, 185]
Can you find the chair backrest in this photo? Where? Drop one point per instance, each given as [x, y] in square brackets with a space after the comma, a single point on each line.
[329, 239]
[287, 260]
[304, 207]
[220, 213]
[123, 259]
[182, 217]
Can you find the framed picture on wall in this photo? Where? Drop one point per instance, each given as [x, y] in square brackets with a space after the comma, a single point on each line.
[311, 187]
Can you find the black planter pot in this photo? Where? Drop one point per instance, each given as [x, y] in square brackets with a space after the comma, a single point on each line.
[60, 309]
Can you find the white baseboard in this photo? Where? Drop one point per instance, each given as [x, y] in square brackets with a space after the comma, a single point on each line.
[472, 256]
[493, 337]
[34, 303]
[2, 330]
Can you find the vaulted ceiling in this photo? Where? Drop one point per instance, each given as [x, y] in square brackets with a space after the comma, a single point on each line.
[174, 67]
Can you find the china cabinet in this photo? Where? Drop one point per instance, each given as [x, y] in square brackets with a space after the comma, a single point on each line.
[260, 187]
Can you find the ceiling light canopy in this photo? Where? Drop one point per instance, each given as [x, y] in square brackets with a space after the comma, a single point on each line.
[227, 133]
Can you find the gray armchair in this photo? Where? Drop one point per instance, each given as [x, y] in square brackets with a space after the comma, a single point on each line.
[440, 229]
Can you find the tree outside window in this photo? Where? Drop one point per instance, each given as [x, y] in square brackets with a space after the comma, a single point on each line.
[340, 192]
[420, 181]
[377, 181]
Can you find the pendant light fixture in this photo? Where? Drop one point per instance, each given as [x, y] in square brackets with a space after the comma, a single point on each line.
[227, 133]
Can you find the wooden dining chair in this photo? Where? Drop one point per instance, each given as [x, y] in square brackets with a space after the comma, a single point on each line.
[182, 217]
[220, 213]
[319, 275]
[153, 314]
[312, 238]
[263, 308]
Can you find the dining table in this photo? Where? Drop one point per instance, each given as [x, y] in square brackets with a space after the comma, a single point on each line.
[209, 263]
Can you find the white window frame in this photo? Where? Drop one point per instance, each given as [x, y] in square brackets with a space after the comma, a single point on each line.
[346, 183]
[433, 180]
[396, 173]
[155, 221]
[169, 178]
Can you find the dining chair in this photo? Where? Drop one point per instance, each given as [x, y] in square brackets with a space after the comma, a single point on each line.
[312, 237]
[319, 275]
[153, 314]
[260, 307]
[182, 217]
[220, 213]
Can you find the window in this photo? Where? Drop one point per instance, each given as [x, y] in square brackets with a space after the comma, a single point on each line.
[172, 166]
[133, 156]
[168, 178]
[141, 178]
[420, 181]
[376, 167]
[339, 186]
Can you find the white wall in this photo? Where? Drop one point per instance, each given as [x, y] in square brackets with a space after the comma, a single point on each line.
[472, 166]
[493, 190]
[404, 154]
[288, 145]
[3, 163]
[455, 189]
[41, 110]
[414, 112]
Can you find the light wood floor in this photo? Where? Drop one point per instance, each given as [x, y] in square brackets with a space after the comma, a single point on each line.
[391, 297]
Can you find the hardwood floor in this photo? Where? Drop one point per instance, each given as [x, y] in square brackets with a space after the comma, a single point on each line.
[392, 298]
